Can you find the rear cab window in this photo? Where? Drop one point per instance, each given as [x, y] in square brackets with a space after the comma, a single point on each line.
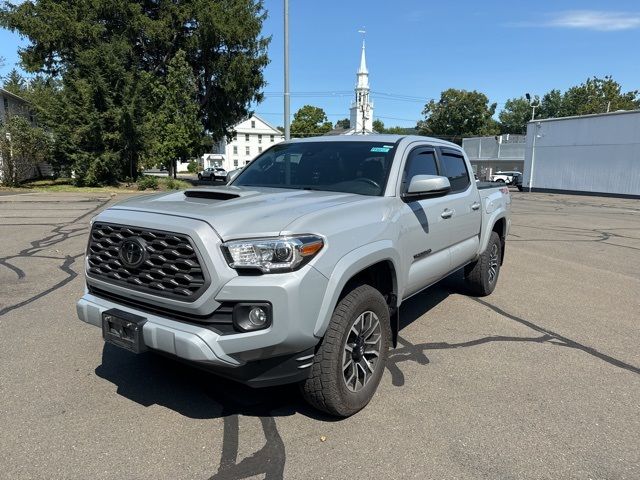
[454, 167]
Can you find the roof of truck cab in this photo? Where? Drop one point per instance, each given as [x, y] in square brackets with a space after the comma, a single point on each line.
[374, 138]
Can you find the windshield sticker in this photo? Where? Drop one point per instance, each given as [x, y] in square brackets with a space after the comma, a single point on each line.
[384, 149]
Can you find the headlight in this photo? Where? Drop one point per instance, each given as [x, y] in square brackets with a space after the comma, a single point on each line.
[271, 255]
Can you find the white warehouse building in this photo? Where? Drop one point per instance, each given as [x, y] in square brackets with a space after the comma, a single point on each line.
[591, 154]
[251, 137]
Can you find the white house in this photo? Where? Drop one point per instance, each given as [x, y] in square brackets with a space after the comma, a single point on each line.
[13, 105]
[212, 160]
[251, 137]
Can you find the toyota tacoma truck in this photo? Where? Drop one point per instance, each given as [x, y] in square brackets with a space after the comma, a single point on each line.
[297, 270]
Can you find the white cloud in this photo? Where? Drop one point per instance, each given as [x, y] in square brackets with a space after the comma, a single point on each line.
[595, 20]
[590, 20]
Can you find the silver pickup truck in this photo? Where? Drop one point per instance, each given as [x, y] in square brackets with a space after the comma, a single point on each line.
[296, 270]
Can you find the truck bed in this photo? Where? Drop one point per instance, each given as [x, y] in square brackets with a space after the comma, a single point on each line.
[484, 185]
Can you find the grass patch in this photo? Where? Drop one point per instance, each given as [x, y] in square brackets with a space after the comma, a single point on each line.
[174, 184]
[145, 182]
[149, 182]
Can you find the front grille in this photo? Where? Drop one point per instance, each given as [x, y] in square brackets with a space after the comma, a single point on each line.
[222, 317]
[171, 268]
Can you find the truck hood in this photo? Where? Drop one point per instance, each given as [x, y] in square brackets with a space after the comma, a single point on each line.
[237, 212]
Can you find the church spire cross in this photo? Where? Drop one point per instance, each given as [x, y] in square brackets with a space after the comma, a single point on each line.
[363, 60]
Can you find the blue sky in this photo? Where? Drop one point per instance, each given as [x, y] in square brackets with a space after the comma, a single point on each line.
[417, 48]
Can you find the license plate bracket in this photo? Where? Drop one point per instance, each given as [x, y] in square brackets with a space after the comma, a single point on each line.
[123, 329]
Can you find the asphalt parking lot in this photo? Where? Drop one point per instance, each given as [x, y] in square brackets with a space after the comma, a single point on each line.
[539, 380]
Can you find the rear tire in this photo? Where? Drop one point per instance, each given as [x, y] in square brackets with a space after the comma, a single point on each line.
[351, 358]
[482, 275]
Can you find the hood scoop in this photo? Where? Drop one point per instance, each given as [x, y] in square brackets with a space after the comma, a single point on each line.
[210, 194]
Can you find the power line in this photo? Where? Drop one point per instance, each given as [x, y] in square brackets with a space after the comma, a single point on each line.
[347, 93]
[342, 115]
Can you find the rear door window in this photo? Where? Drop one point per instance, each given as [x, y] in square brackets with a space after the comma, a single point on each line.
[455, 169]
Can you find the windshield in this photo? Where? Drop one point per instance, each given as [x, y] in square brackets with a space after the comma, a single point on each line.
[352, 167]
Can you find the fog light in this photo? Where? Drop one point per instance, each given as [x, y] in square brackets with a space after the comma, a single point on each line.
[251, 316]
[258, 317]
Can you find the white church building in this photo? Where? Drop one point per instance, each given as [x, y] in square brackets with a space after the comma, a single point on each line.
[361, 118]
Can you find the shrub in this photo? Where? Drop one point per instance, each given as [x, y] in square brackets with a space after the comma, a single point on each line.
[193, 166]
[174, 184]
[149, 182]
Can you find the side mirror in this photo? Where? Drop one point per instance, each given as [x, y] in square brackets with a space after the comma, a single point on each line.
[427, 185]
[232, 175]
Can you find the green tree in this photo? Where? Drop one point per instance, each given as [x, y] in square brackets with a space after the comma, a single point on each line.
[310, 121]
[598, 95]
[344, 123]
[551, 105]
[378, 126]
[109, 56]
[15, 83]
[459, 113]
[401, 130]
[22, 148]
[595, 95]
[172, 128]
[515, 115]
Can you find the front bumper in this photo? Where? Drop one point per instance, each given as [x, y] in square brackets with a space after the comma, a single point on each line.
[281, 353]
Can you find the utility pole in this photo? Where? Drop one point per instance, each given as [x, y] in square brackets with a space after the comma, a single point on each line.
[287, 126]
[536, 127]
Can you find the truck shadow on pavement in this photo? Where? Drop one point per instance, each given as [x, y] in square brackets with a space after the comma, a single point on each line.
[422, 303]
[150, 379]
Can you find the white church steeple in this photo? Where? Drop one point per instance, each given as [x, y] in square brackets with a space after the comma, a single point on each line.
[362, 109]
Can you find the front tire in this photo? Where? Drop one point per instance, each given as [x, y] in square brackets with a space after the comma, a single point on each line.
[482, 275]
[351, 358]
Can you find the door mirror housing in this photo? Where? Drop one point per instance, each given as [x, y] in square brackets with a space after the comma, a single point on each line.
[427, 185]
[231, 176]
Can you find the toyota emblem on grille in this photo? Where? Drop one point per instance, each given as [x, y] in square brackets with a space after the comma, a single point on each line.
[132, 252]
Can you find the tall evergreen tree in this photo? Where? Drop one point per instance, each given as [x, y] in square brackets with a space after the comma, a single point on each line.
[109, 55]
[15, 83]
[173, 129]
